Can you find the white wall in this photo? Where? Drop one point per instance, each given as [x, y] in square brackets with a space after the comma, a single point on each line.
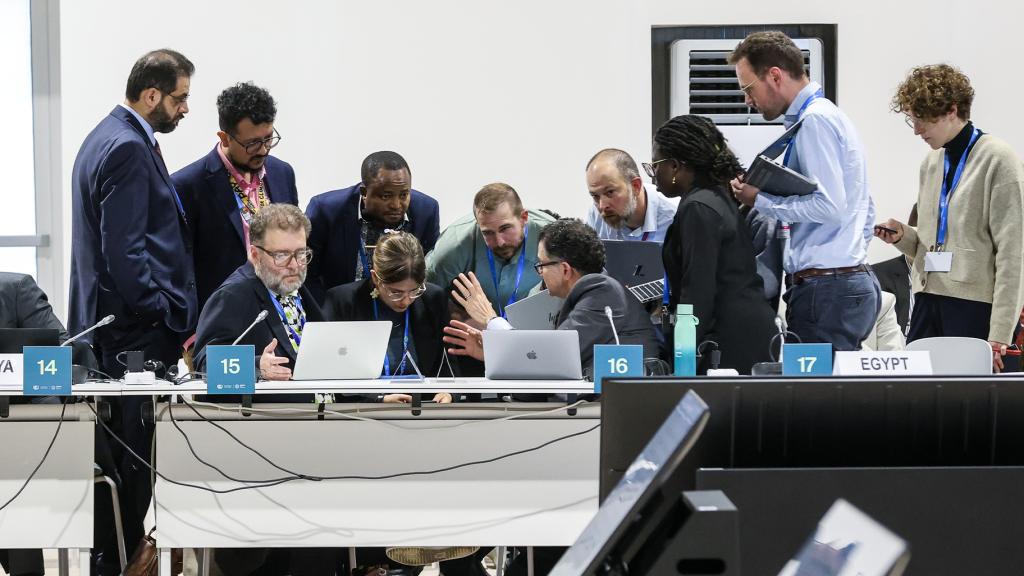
[521, 92]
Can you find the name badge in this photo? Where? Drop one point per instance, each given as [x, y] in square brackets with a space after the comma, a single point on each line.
[617, 361]
[864, 363]
[47, 371]
[11, 370]
[938, 261]
[807, 359]
[231, 369]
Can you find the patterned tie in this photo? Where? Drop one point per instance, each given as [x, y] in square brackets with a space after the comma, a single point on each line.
[296, 318]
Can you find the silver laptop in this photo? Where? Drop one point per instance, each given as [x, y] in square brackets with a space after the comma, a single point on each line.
[532, 355]
[537, 312]
[342, 350]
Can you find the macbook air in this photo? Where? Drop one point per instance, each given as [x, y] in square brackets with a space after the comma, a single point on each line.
[532, 355]
[342, 350]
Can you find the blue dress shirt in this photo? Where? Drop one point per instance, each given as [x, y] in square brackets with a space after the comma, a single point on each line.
[831, 227]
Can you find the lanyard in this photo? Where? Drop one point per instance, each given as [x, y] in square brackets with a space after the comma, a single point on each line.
[645, 236]
[405, 344]
[945, 193]
[295, 337]
[789, 148]
[519, 273]
[364, 258]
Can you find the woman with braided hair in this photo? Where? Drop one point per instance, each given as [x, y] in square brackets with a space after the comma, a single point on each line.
[708, 255]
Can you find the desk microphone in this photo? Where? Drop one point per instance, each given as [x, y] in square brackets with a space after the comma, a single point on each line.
[608, 313]
[103, 322]
[782, 333]
[259, 318]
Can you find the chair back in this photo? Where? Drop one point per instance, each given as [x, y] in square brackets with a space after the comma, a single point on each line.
[956, 356]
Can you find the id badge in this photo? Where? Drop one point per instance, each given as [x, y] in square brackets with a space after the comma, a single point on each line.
[938, 261]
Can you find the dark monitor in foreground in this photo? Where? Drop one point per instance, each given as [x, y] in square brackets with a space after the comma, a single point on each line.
[626, 519]
[12, 340]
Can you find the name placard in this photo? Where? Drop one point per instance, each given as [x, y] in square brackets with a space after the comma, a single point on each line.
[865, 363]
[12, 369]
[807, 359]
[47, 371]
[231, 369]
[617, 361]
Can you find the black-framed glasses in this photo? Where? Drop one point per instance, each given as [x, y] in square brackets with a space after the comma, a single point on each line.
[540, 265]
[178, 100]
[397, 295]
[283, 258]
[254, 146]
[649, 167]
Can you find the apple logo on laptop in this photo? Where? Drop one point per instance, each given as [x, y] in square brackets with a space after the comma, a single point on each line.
[343, 351]
[531, 355]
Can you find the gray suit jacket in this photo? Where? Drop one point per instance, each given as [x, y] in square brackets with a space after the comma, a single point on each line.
[24, 305]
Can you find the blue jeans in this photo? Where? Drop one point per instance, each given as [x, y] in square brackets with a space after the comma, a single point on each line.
[840, 309]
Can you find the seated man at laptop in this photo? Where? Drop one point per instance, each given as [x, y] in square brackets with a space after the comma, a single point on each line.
[570, 260]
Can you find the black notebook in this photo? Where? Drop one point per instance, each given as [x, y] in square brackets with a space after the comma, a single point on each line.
[774, 178]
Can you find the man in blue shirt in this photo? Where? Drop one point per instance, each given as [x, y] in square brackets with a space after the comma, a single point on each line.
[833, 296]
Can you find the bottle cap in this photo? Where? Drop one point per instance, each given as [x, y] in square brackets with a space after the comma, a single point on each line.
[682, 309]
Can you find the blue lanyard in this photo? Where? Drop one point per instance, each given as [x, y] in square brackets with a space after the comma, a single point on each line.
[789, 149]
[945, 193]
[519, 272]
[405, 344]
[363, 257]
[645, 236]
[284, 317]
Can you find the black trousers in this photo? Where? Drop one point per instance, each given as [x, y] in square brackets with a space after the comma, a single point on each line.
[935, 315]
[22, 562]
[157, 342]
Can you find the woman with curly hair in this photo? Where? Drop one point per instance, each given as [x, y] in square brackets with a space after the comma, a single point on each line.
[708, 255]
[968, 248]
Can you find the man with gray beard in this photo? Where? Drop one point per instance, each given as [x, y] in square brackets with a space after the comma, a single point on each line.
[273, 280]
[623, 209]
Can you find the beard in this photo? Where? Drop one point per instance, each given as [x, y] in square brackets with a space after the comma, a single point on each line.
[616, 220]
[254, 164]
[281, 282]
[161, 120]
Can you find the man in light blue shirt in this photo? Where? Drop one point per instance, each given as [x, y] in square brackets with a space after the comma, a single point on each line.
[833, 296]
[623, 209]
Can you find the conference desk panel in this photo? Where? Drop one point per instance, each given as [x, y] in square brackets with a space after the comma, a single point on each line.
[544, 495]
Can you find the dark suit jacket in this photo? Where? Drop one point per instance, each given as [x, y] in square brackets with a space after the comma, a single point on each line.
[335, 235]
[24, 305]
[894, 277]
[428, 315]
[214, 219]
[233, 307]
[130, 251]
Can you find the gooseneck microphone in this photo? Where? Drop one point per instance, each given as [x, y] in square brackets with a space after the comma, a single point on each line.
[259, 318]
[781, 334]
[103, 322]
[608, 313]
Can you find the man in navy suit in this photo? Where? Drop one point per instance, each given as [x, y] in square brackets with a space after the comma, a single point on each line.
[131, 254]
[348, 222]
[224, 189]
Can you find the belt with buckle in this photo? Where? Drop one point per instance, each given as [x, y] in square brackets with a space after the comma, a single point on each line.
[818, 272]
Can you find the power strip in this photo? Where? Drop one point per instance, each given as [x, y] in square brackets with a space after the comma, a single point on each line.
[146, 377]
[723, 372]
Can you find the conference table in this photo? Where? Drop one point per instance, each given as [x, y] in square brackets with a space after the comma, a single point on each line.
[360, 475]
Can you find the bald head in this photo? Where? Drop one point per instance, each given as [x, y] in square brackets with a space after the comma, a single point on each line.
[616, 189]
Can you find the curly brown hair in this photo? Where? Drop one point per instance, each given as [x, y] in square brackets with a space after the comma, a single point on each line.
[930, 92]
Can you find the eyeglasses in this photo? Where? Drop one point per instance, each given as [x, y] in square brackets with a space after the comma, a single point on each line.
[540, 265]
[255, 145]
[916, 123]
[178, 100]
[397, 295]
[303, 256]
[649, 167]
[746, 89]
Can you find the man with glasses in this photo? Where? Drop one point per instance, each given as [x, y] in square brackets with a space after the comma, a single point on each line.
[347, 223]
[224, 189]
[131, 257]
[832, 294]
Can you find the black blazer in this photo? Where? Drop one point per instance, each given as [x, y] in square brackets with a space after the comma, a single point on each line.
[214, 220]
[335, 235]
[233, 307]
[428, 315]
[131, 250]
[709, 263]
[894, 276]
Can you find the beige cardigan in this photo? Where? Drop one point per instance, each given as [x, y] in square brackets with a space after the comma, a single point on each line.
[985, 233]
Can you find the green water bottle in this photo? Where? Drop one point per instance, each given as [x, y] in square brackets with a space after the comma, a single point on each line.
[685, 341]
